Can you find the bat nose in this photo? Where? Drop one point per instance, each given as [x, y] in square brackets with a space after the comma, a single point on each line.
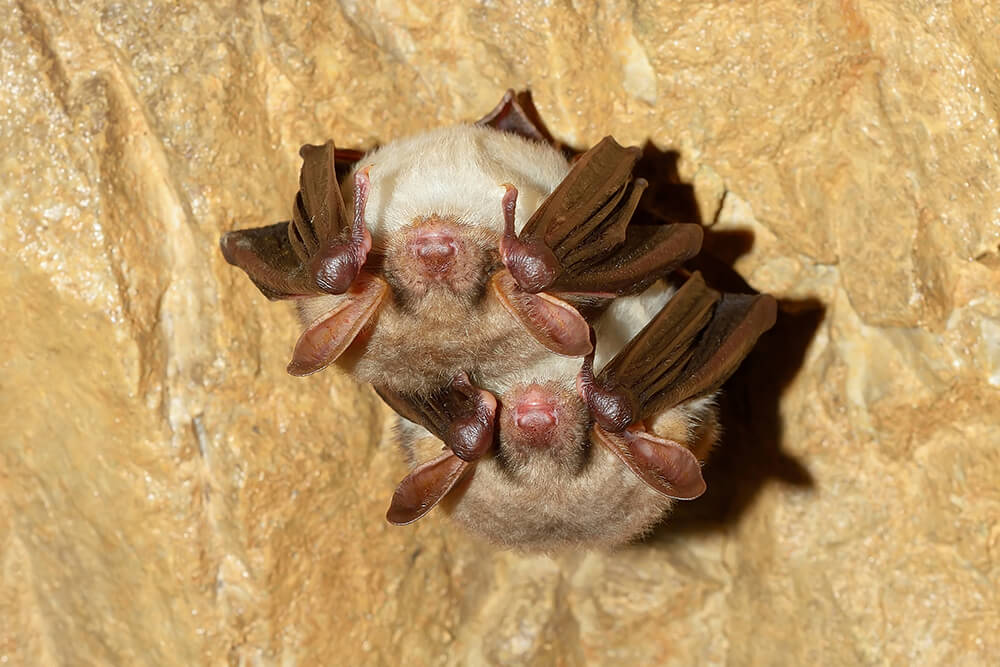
[535, 410]
[436, 249]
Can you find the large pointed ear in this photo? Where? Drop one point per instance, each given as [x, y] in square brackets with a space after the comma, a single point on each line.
[665, 466]
[318, 251]
[516, 114]
[551, 321]
[329, 335]
[580, 240]
[461, 414]
[424, 488]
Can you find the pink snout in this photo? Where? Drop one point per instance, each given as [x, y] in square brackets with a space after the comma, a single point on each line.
[436, 249]
[535, 410]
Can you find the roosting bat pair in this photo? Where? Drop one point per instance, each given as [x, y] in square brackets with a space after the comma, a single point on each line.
[515, 309]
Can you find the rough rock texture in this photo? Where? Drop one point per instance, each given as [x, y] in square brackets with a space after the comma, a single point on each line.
[170, 496]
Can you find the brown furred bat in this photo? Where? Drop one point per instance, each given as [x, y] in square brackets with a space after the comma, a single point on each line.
[472, 248]
[566, 459]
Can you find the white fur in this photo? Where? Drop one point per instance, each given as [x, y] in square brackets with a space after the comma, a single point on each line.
[626, 317]
[455, 172]
[616, 326]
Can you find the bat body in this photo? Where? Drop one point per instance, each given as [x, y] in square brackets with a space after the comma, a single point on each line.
[564, 453]
[549, 486]
[469, 249]
[435, 218]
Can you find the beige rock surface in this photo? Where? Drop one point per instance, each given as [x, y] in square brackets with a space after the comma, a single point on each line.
[168, 496]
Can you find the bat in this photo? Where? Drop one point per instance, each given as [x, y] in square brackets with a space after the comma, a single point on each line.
[473, 249]
[569, 458]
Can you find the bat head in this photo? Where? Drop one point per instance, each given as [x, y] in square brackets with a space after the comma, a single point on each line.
[439, 256]
[534, 502]
[435, 206]
[542, 424]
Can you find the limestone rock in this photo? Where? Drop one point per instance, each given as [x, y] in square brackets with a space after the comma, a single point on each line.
[171, 496]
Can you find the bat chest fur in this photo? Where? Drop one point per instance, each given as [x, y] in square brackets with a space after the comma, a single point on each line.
[422, 347]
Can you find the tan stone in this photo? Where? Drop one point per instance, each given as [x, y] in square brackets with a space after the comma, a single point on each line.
[170, 496]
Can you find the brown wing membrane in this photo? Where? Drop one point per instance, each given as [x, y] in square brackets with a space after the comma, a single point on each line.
[579, 239]
[687, 350]
[647, 253]
[424, 488]
[652, 359]
[737, 322]
[428, 412]
[318, 251]
[515, 114]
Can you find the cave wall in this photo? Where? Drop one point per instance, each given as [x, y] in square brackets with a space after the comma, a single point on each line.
[168, 495]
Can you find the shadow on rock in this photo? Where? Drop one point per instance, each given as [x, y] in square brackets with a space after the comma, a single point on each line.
[750, 453]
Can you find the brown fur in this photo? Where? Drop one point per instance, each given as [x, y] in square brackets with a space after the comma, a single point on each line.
[428, 330]
[569, 492]
[548, 507]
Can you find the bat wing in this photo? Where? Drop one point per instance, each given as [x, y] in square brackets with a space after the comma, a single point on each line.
[268, 257]
[318, 251]
[461, 415]
[579, 239]
[515, 114]
[686, 351]
[429, 413]
[738, 320]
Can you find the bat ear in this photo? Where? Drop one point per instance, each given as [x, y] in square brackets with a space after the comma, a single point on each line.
[330, 334]
[424, 488]
[551, 321]
[665, 466]
[516, 114]
[470, 435]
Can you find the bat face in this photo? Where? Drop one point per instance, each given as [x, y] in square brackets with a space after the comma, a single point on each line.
[549, 485]
[543, 502]
[434, 214]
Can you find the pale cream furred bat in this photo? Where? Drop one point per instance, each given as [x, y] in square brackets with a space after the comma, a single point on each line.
[471, 248]
[578, 460]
